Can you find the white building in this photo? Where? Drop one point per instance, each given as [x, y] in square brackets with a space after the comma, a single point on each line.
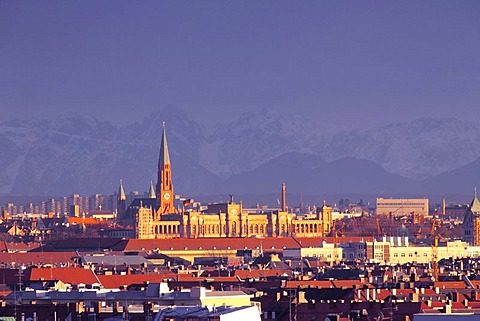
[402, 206]
[325, 252]
[393, 250]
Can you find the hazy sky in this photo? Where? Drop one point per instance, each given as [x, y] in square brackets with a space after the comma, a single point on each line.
[344, 61]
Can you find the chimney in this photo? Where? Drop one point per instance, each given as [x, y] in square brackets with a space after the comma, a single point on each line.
[284, 198]
[474, 296]
[455, 297]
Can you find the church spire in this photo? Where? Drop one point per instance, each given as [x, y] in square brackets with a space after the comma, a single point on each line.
[475, 204]
[121, 192]
[151, 194]
[121, 200]
[164, 190]
[164, 156]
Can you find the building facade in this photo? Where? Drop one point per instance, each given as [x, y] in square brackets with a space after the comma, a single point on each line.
[402, 206]
[156, 217]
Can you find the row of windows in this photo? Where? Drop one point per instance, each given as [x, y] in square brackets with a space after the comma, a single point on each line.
[409, 255]
[402, 204]
[215, 228]
[336, 255]
[327, 256]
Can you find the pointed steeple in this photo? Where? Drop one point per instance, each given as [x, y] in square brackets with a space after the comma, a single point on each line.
[121, 192]
[151, 194]
[164, 189]
[164, 156]
[475, 204]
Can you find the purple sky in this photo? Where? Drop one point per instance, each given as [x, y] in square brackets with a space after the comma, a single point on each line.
[336, 60]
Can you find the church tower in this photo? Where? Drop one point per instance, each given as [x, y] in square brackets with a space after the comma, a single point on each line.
[471, 222]
[121, 199]
[164, 188]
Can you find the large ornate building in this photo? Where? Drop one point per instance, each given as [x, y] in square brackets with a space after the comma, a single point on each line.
[156, 216]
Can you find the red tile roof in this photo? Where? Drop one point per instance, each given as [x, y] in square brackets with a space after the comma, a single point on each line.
[189, 277]
[37, 258]
[116, 281]
[14, 247]
[86, 220]
[450, 285]
[4, 293]
[72, 275]
[476, 283]
[259, 273]
[351, 283]
[267, 244]
[310, 283]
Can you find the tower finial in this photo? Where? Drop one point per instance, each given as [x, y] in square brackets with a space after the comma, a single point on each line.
[151, 194]
[164, 155]
[121, 192]
[475, 191]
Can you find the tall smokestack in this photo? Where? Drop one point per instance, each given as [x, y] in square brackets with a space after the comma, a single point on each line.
[444, 207]
[284, 198]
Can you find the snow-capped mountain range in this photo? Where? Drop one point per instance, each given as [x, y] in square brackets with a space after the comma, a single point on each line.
[252, 154]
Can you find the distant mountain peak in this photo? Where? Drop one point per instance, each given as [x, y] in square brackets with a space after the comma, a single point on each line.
[77, 153]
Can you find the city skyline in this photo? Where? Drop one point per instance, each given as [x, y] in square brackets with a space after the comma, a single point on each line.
[273, 160]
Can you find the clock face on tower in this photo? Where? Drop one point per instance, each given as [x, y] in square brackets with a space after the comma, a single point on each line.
[166, 196]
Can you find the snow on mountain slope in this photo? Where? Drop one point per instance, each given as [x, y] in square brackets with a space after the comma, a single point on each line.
[250, 141]
[84, 155]
[79, 155]
[419, 149]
